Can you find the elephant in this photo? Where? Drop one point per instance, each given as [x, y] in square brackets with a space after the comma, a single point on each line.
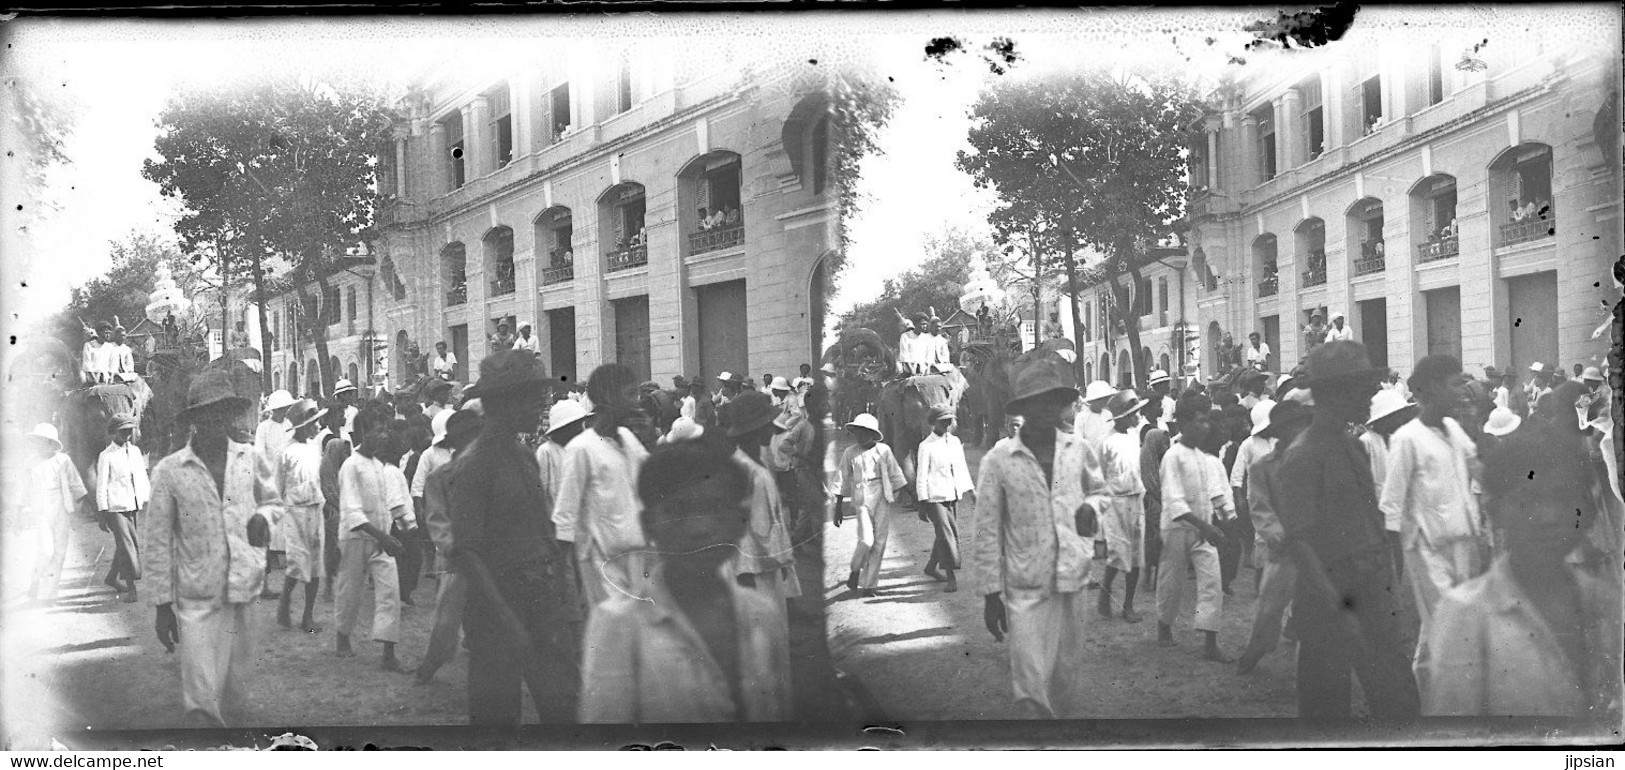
[87, 412]
[904, 410]
[862, 362]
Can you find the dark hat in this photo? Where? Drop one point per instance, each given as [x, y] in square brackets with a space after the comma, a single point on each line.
[507, 372]
[940, 413]
[751, 410]
[121, 422]
[461, 423]
[211, 387]
[1040, 377]
[304, 412]
[1124, 403]
[1285, 413]
[1339, 361]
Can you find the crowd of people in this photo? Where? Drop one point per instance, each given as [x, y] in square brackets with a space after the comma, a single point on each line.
[625, 552]
[1457, 555]
[718, 218]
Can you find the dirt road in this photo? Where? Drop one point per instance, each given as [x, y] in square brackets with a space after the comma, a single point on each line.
[925, 654]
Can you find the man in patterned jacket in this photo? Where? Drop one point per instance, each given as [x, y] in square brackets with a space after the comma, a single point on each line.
[1037, 497]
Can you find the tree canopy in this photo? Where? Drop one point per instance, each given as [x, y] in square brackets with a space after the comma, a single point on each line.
[938, 283]
[1086, 158]
[126, 287]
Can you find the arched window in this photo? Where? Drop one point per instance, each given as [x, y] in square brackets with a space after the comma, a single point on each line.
[1145, 363]
[1105, 373]
[621, 229]
[454, 273]
[313, 379]
[1125, 370]
[354, 375]
[709, 203]
[1310, 235]
[293, 379]
[806, 140]
[1366, 245]
[1433, 216]
[555, 240]
[1165, 364]
[1266, 266]
[498, 247]
[333, 369]
[1520, 197]
[276, 380]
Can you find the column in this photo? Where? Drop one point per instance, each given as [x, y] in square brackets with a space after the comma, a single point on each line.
[1288, 133]
[1331, 103]
[400, 167]
[438, 166]
[476, 138]
[521, 101]
[1251, 168]
[1211, 126]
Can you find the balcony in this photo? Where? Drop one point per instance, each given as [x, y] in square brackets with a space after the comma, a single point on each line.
[1443, 248]
[458, 293]
[1528, 230]
[1269, 285]
[558, 274]
[504, 282]
[1368, 266]
[716, 239]
[1316, 274]
[637, 256]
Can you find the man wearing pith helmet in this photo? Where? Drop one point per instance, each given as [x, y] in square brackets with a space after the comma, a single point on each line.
[1038, 495]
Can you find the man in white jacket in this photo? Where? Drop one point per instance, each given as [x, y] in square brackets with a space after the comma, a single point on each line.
[122, 490]
[941, 478]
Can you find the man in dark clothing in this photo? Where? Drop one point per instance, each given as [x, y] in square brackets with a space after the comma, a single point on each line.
[1344, 604]
[523, 613]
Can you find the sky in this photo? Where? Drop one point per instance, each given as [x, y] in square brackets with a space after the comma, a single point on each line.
[119, 75]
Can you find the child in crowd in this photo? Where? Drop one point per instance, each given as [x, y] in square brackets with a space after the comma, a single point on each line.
[1195, 493]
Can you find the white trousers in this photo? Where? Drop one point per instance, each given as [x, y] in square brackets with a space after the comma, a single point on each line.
[1435, 569]
[216, 658]
[357, 559]
[874, 527]
[50, 552]
[1178, 543]
[1046, 648]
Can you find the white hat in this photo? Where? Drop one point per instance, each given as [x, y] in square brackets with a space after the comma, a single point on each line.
[682, 429]
[829, 368]
[1537, 367]
[779, 383]
[1261, 416]
[341, 386]
[1502, 421]
[564, 413]
[1068, 356]
[1338, 314]
[725, 377]
[868, 421]
[47, 431]
[441, 418]
[1157, 375]
[1387, 402]
[1098, 390]
[1300, 395]
[473, 405]
[1592, 374]
[278, 399]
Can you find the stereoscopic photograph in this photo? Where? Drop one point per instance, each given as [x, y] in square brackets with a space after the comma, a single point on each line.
[1114, 378]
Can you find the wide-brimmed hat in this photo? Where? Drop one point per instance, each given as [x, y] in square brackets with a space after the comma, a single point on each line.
[1284, 414]
[460, 424]
[211, 387]
[438, 425]
[121, 422]
[750, 411]
[1388, 402]
[1537, 367]
[565, 413]
[1157, 376]
[1038, 378]
[278, 399]
[342, 386]
[1502, 421]
[1339, 361]
[829, 369]
[1098, 390]
[507, 372]
[304, 412]
[867, 422]
[1124, 403]
[725, 377]
[779, 383]
[940, 413]
[1592, 374]
[1261, 416]
[47, 432]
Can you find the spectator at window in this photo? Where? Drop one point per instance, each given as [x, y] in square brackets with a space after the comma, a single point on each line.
[1515, 210]
[705, 219]
[715, 220]
[1377, 249]
[732, 217]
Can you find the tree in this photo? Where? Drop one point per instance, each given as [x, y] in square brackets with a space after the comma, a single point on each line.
[279, 181]
[126, 287]
[1087, 159]
[937, 283]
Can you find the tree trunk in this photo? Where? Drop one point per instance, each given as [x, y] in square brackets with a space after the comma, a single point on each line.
[1072, 295]
[1038, 290]
[1131, 326]
[318, 335]
[225, 304]
[258, 267]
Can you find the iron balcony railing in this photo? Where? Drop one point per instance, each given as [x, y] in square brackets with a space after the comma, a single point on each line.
[1314, 276]
[457, 294]
[1368, 266]
[558, 274]
[1444, 248]
[716, 239]
[1529, 230]
[1269, 285]
[504, 282]
[637, 256]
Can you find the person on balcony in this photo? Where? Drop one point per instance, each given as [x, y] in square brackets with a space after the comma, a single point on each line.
[704, 218]
[442, 364]
[715, 220]
[527, 342]
[1340, 330]
[731, 218]
[1378, 249]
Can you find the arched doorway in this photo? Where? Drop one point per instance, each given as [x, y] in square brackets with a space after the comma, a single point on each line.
[313, 379]
[402, 370]
[1104, 374]
[1210, 350]
[293, 379]
[819, 287]
[1125, 370]
[353, 375]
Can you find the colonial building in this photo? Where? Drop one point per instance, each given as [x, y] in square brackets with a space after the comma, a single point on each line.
[650, 202]
[1446, 197]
